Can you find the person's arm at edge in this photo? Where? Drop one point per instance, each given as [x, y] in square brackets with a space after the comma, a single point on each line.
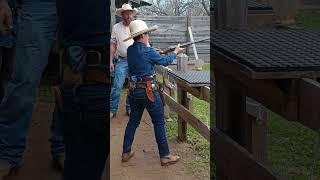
[5, 17]
[113, 47]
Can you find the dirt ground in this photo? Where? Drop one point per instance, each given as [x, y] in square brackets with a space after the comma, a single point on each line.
[145, 165]
[37, 158]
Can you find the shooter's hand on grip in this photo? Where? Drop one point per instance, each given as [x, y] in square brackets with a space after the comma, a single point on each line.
[178, 49]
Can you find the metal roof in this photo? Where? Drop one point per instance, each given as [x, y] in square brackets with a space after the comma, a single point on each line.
[271, 51]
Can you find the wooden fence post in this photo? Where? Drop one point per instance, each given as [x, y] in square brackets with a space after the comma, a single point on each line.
[187, 31]
[231, 104]
[257, 115]
[182, 65]
[182, 62]
[168, 90]
[113, 13]
[286, 10]
[231, 14]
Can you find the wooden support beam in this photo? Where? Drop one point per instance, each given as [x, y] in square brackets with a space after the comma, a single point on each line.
[113, 13]
[266, 92]
[192, 90]
[231, 109]
[234, 119]
[286, 10]
[296, 101]
[257, 115]
[309, 103]
[182, 124]
[231, 14]
[236, 163]
[182, 98]
[182, 62]
[205, 93]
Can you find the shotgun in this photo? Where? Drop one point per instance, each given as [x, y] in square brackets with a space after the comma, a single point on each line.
[172, 48]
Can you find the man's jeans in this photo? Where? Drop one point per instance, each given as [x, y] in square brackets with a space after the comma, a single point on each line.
[6, 62]
[86, 130]
[120, 73]
[37, 25]
[138, 102]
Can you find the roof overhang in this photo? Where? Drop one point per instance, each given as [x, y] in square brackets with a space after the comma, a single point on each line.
[134, 3]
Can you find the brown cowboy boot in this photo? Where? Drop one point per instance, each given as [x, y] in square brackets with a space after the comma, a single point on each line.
[127, 156]
[168, 160]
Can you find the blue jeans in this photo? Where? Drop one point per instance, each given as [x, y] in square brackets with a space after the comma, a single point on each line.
[37, 25]
[6, 63]
[138, 102]
[86, 130]
[120, 73]
[56, 138]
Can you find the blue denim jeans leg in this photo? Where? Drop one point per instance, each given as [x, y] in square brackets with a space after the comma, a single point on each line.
[138, 102]
[37, 25]
[120, 74]
[56, 139]
[86, 130]
[6, 64]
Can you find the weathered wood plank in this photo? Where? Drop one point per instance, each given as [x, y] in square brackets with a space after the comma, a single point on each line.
[266, 92]
[182, 98]
[238, 163]
[182, 124]
[172, 30]
[205, 94]
[188, 117]
[309, 103]
[235, 19]
[294, 101]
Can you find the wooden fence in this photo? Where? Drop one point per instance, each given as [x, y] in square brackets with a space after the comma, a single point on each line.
[177, 97]
[174, 29]
[238, 141]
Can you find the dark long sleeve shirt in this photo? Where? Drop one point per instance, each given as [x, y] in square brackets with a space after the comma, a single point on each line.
[142, 59]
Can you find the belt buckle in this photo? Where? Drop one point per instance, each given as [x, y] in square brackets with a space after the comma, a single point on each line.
[121, 58]
[97, 53]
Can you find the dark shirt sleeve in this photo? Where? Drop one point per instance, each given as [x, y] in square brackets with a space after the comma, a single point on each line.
[158, 59]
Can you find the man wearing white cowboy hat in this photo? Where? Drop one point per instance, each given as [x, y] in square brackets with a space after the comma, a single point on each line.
[143, 90]
[118, 50]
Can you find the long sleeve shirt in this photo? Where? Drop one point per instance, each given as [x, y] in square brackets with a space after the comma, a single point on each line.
[142, 59]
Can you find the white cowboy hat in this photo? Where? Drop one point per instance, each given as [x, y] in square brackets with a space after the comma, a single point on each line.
[138, 27]
[126, 7]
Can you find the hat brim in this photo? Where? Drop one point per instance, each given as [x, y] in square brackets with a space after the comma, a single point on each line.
[119, 11]
[153, 28]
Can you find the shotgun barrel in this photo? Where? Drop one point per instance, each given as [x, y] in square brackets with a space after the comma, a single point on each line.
[172, 48]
